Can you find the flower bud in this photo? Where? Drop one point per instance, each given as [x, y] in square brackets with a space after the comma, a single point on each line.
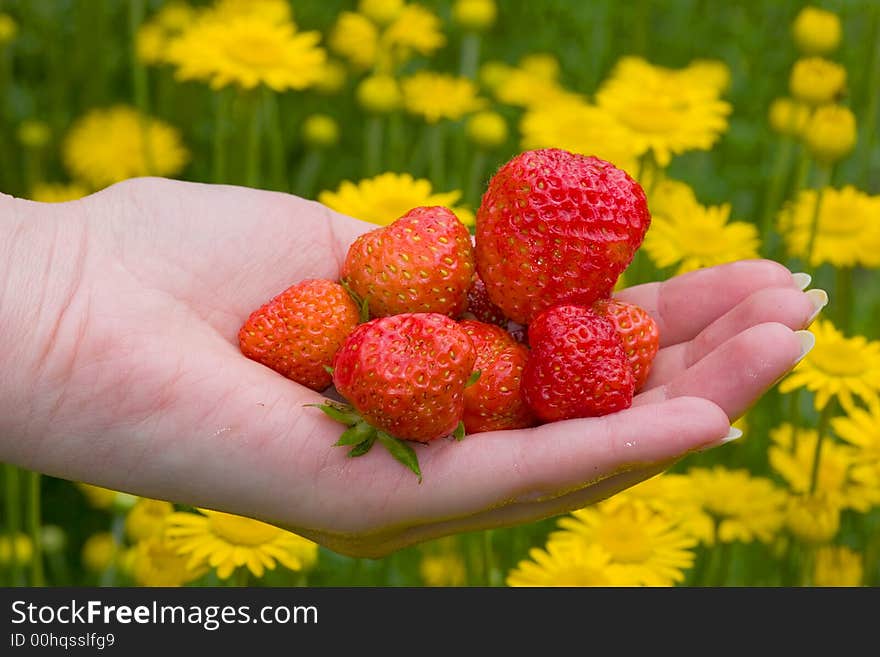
[817, 81]
[474, 15]
[379, 94]
[816, 31]
[320, 131]
[788, 117]
[830, 134]
[487, 130]
[381, 12]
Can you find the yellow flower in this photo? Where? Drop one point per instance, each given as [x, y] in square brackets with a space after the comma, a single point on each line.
[816, 81]
[156, 562]
[838, 566]
[45, 192]
[525, 87]
[486, 129]
[415, 30]
[436, 96]
[355, 38]
[154, 35]
[247, 50]
[788, 117]
[861, 429]
[320, 131]
[147, 519]
[115, 143]
[474, 15]
[830, 134]
[575, 125]
[816, 31]
[381, 12]
[692, 235]
[812, 518]
[277, 11]
[21, 548]
[104, 498]
[847, 230]
[100, 551]
[8, 29]
[541, 64]
[711, 72]
[648, 546]
[332, 78]
[666, 111]
[443, 569]
[746, 508]
[568, 564]
[386, 197]
[838, 367]
[493, 74]
[226, 542]
[33, 133]
[379, 94]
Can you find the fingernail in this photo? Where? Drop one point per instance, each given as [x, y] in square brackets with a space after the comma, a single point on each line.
[819, 299]
[807, 340]
[732, 435]
[802, 280]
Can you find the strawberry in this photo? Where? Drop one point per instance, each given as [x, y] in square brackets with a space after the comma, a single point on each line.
[480, 306]
[577, 366]
[404, 377]
[422, 262]
[298, 332]
[556, 227]
[495, 400]
[638, 331]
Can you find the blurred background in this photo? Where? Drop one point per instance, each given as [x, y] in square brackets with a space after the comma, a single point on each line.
[751, 125]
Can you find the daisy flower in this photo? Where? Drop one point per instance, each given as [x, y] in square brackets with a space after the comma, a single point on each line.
[861, 429]
[386, 197]
[226, 542]
[816, 81]
[645, 544]
[745, 508]
[112, 144]
[46, 192]
[156, 562]
[435, 96]
[569, 564]
[666, 111]
[416, 30]
[813, 518]
[838, 566]
[838, 367]
[356, 39]
[147, 519]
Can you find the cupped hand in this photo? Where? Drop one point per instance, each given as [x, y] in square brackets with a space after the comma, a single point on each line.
[130, 376]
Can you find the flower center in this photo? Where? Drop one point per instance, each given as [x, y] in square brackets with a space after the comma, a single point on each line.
[702, 240]
[837, 359]
[254, 51]
[242, 531]
[841, 220]
[657, 115]
[625, 541]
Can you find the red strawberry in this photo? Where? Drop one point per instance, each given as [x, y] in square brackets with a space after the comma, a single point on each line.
[298, 332]
[495, 401]
[404, 377]
[423, 262]
[577, 366]
[480, 306]
[556, 227]
[638, 332]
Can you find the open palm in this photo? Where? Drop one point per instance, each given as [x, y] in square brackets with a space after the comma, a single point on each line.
[140, 385]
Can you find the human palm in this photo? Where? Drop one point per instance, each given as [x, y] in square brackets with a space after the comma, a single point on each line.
[139, 384]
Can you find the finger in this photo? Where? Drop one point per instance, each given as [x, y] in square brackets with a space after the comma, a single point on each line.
[739, 371]
[785, 305]
[685, 305]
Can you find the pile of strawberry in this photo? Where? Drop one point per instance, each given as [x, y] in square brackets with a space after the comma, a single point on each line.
[428, 333]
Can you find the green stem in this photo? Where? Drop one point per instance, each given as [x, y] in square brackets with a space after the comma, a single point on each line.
[774, 189]
[436, 156]
[117, 530]
[478, 169]
[139, 82]
[822, 430]
[823, 178]
[488, 558]
[795, 416]
[802, 173]
[396, 141]
[221, 110]
[38, 577]
[252, 167]
[13, 518]
[843, 297]
[470, 55]
[373, 144]
[276, 140]
[308, 173]
[870, 119]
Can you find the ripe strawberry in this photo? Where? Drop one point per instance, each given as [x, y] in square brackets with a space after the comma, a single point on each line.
[480, 306]
[404, 377]
[556, 227]
[577, 367]
[638, 333]
[495, 401]
[298, 332]
[423, 262]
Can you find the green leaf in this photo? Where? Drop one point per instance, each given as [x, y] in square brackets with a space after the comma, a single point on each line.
[362, 304]
[328, 369]
[401, 451]
[473, 378]
[363, 447]
[365, 310]
[339, 412]
[356, 434]
[459, 433]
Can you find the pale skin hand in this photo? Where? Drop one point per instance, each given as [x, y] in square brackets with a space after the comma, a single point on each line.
[120, 313]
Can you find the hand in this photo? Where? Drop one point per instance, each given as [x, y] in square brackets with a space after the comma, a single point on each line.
[129, 374]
